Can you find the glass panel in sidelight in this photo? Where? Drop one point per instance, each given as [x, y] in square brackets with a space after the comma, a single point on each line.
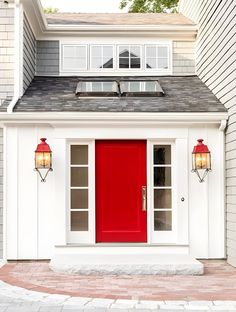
[162, 176]
[79, 221]
[162, 154]
[162, 220]
[79, 176]
[79, 154]
[79, 199]
[162, 198]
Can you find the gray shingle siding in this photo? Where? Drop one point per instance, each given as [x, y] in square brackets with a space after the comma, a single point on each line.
[6, 51]
[216, 66]
[47, 60]
[29, 54]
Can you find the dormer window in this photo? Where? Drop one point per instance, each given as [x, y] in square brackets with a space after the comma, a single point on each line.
[118, 59]
[102, 56]
[129, 56]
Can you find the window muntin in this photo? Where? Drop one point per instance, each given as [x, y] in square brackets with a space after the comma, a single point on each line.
[102, 57]
[129, 56]
[79, 188]
[157, 57]
[162, 187]
[74, 57]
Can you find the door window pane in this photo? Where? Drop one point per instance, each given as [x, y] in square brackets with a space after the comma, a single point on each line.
[162, 176]
[79, 154]
[162, 198]
[79, 176]
[162, 154]
[79, 221]
[162, 220]
[79, 199]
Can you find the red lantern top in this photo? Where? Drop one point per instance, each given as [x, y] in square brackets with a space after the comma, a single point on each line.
[43, 147]
[200, 147]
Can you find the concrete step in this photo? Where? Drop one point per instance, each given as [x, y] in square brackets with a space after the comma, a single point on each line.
[123, 260]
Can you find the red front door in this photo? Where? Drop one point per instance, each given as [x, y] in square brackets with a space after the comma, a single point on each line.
[120, 176]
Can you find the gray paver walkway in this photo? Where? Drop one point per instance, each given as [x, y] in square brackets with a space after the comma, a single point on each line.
[16, 299]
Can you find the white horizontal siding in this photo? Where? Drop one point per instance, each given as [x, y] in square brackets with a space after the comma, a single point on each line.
[216, 66]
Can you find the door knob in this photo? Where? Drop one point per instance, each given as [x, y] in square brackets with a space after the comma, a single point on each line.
[144, 198]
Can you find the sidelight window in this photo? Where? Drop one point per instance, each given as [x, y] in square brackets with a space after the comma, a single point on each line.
[79, 188]
[162, 187]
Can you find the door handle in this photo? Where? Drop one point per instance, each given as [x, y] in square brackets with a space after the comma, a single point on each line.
[144, 198]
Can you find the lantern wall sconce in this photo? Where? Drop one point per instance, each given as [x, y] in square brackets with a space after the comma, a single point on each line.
[43, 159]
[201, 160]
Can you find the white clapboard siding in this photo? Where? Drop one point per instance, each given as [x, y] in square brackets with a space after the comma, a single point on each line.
[216, 66]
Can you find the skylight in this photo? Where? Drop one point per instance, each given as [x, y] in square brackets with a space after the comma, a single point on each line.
[119, 88]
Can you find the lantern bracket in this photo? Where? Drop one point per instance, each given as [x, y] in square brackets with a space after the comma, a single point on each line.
[201, 178]
[43, 178]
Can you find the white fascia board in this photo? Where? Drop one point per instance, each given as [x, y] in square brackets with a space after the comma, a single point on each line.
[92, 118]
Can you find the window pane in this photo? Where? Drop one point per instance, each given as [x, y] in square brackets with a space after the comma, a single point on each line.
[79, 199]
[162, 52]
[162, 176]
[96, 62]
[135, 63]
[79, 221]
[151, 51]
[108, 51]
[123, 51]
[135, 51]
[162, 63]
[79, 176]
[79, 154]
[80, 63]
[151, 63]
[123, 63]
[96, 51]
[162, 199]
[162, 154]
[162, 220]
[107, 62]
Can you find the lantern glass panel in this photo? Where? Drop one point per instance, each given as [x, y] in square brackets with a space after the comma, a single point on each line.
[201, 161]
[42, 160]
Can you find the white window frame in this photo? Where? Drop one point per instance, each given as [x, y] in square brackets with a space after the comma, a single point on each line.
[83, 237]
[90, 57]
[118, 58]
[170, 51]
[75, 70]
[162, 237]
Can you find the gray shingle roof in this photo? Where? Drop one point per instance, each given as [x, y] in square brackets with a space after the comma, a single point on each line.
[117, 19]
[182, 94]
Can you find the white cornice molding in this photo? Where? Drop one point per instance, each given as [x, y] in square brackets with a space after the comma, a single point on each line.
[116, 118]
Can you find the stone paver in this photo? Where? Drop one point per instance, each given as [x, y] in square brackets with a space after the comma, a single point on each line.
[17, 299]
[218, 283]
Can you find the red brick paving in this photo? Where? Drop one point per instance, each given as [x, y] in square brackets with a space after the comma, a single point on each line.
[218, 283]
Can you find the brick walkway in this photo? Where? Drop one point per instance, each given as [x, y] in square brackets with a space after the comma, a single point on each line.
[218, 283]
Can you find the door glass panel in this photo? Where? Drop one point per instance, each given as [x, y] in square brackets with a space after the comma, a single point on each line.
[162, 176]
[162, 220]
[162, 154]
[79, 176]
[162, 198]
[79, 154]
[79, 221]
[79, 199]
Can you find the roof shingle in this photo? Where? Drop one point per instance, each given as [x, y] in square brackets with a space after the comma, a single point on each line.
[117, 19]
[182, 94]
